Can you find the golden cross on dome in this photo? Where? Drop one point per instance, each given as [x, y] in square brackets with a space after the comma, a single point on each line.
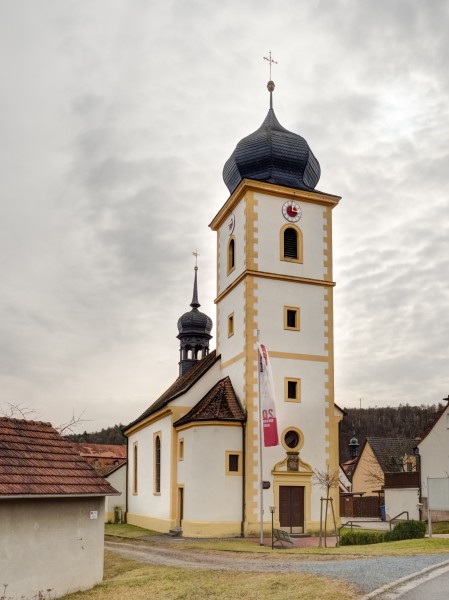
[271, 61]
[195, 254]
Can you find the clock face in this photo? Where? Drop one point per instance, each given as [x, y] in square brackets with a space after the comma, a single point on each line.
[231, 224]
[291, 211]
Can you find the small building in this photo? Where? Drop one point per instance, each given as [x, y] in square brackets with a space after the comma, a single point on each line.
[51, 513]
[103, 457]
[116, 506]
[434, 457]
[379, 456]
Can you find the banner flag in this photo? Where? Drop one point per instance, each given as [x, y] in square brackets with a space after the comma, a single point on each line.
[266, 399]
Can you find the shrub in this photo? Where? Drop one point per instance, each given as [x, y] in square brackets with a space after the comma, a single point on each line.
[359, 538]
[406, 530]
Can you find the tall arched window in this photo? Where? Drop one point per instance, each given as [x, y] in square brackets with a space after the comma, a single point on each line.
[157, 464]
[231, 254]
[291, 243]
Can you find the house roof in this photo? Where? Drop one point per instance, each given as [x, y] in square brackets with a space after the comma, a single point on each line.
[388, 450]
[438, 416]
[219, 404]
[108, 451]
[36, 461]
[180, 386]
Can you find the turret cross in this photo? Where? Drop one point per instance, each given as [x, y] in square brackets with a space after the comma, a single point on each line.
[271, 61]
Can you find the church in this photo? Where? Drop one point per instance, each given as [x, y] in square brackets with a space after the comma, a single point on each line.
[197, 464]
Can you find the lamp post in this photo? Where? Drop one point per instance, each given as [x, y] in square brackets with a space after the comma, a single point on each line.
[272, 509]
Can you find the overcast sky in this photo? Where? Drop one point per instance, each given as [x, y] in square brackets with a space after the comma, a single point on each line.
[116, 118]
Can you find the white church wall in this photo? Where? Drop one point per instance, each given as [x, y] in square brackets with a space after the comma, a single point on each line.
[223, 278]
[229, 346]
[198, 390]
[146, 507]
[212, 498]
[269, 224]
[272, 297]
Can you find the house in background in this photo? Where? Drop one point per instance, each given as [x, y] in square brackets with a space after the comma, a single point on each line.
[115, 506]
[379, 456]
[434, 457]
[103, 457]
[51, 513]
[385, 474]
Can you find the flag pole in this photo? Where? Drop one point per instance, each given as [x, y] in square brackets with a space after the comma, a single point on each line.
[260, 445]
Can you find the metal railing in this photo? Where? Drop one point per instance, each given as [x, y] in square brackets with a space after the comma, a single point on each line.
[361, 524]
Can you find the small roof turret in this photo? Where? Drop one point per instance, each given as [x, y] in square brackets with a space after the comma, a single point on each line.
[194, 329]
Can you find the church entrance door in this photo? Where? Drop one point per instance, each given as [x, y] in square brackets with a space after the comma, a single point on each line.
[291, 507]
[180, 506]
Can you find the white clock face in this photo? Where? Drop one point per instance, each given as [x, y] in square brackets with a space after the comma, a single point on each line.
[291, 211]
[231, 224]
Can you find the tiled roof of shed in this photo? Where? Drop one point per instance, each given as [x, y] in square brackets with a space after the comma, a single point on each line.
[36, 461]
[388, 451]
[180, 386]
[219, 404]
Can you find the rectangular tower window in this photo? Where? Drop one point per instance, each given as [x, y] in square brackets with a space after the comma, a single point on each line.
[231, 325]
[291, 318]
[233, 463]
[181, 449]
[292, 390]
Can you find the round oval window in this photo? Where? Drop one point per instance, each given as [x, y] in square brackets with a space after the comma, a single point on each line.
[291, 439]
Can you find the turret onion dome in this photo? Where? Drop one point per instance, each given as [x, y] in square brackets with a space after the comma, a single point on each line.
[194, 321]
[274, 155]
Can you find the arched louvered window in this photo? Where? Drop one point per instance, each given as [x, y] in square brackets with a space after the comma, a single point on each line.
[157, 464]
[291, 243]
[231, 254]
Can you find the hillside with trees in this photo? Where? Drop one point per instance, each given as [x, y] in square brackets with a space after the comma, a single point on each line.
[403, 421]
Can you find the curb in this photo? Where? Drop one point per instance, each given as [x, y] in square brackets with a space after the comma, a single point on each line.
[393, 584]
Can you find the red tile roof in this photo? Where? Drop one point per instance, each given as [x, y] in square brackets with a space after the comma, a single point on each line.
[219, 404]
[36, 461]
[107, 451]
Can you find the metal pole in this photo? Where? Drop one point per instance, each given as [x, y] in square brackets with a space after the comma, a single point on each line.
[260, 449]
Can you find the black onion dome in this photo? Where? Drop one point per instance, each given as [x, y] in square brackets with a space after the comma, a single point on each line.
[274, 155]
[194, 321]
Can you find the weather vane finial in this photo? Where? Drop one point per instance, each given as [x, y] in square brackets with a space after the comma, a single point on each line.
[270, 84]
[195, 254]
[271, 61]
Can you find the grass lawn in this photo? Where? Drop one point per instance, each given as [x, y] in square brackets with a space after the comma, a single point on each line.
[440, 527]
[132, 580]
[404, 548]
[127, 531]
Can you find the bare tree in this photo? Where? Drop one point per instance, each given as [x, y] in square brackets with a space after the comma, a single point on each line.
[20, 411]
[327, 480]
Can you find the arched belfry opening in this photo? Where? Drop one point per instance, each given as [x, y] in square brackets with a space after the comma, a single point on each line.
[194, 333]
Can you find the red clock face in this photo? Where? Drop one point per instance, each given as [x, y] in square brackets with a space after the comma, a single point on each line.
[291, 211]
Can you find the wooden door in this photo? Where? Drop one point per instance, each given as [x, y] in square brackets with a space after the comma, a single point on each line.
[180, 506]
[291, 506]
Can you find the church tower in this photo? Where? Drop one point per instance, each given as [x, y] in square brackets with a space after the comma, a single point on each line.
[194, 333]
[274, 282]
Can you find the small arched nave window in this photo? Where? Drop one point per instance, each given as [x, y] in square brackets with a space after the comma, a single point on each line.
[291, 244]
[231, 254]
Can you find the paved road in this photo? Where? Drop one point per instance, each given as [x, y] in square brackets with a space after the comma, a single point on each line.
[434, 585]
[367, 573]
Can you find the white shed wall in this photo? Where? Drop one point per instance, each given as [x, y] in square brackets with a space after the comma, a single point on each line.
[51, 544]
